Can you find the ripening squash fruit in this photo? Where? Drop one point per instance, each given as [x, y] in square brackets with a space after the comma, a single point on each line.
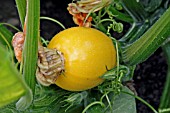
[88, 54]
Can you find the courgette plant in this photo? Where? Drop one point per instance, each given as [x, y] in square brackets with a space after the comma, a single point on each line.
[149, 29]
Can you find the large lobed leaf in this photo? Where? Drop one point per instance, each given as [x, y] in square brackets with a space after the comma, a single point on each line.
[122, 103]
[11, 85]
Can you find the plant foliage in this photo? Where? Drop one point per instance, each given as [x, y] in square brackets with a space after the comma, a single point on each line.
[149, 28]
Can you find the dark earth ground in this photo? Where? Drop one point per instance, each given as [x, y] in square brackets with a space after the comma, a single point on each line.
[149, 76]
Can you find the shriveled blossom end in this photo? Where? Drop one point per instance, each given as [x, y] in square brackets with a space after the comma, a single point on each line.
[50, 65]
[81, 8]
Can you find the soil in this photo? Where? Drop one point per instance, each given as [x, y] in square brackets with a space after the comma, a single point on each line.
[149, 79]
[149, 76]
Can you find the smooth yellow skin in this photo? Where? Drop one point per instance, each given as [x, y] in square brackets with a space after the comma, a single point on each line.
[88, 53]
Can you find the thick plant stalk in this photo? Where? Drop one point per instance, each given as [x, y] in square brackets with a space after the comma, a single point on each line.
[30, 52]
[165, 99]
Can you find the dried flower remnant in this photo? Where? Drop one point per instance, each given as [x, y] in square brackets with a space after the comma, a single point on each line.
[87, 6]
[17, 43]
[81, 8]
[50, 62]
[80, 18]
[50, 65]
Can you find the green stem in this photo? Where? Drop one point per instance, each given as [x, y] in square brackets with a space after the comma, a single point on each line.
[151, 40]
[21, 6]
[109, 103]
[143, 101]
[165, 99]
[105, 20]
[30, 51]
[101, 27]
[94, 103]
[31, 43]
[51, 19]
[15, 28]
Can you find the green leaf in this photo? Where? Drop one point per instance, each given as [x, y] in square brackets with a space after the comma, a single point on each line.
[121, 69]
[5, 40]
[52, 100]
[140, 99]
[151, 5]
[121, 103]
[21, 6]
[124, 103]
[5, 36]
[96, 109]
[10, 108]
[92, 103]
[120, 16]
[126, 71]
[138, 28]
[47, 100]
[151, 40]
[11, 85]
[135, 9]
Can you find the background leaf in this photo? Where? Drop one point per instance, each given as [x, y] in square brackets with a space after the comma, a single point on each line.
[21, 6]
[121, 103]
[151, 5]
[5, 36]
[124, 103]
[151, 40]
[11, 85]
[47, 100]
[135, 9]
